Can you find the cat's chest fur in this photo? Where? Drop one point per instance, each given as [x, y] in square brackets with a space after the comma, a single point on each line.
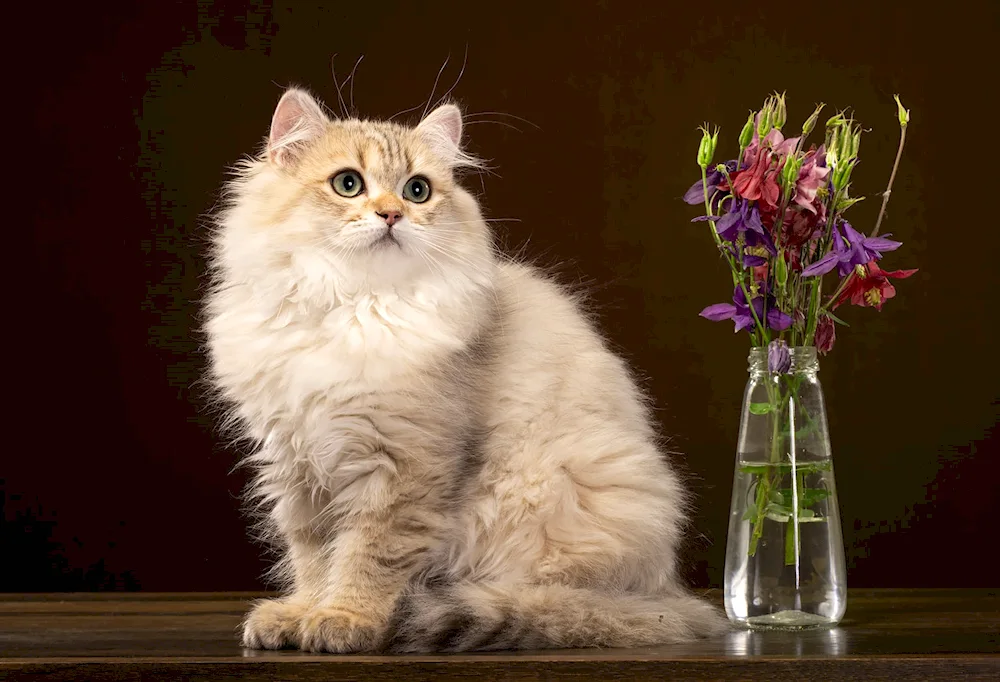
[286, 355]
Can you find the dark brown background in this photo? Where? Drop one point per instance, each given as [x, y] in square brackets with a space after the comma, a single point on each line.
[125, 122]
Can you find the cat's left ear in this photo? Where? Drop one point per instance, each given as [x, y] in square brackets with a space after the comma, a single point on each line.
[442, 131]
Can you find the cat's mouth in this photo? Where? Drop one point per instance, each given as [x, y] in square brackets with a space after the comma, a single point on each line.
[387, 240]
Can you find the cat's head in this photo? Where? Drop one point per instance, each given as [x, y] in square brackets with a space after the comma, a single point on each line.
[379, 200]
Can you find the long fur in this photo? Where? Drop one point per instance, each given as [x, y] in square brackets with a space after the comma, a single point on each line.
[447, 454]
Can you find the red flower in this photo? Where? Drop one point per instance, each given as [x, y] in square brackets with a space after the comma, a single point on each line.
[799, 227]
[872, 289]
[759, 181]
[826, 334]
[794, 256]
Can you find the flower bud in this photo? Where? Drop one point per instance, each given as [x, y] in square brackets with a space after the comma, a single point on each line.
[836, 121]
[832, 147]
[855, 142]
[810, 123]
[764, 125]
[780, 112]
[706, 150]
[842, 175]
[845, 140]
[904, 114]
[779, 360]
[826, 334]
[746, 135]
[790, 171]
[780, 270]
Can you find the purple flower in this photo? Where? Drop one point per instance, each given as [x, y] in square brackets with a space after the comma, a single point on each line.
[779, 360]
[839, 257]
[856, 249]
[867, 249]
[744, 218]
[714, 177]
[739, 311]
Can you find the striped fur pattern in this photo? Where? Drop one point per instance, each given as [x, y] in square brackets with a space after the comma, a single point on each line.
[447, 455]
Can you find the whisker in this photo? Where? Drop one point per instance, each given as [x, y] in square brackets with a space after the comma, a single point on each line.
[503, 113]
[434, 87]
[340, 97]
[468, 263]
[485, 220]
[499, 123]
[405, 111]
[465, 58]
[351, 78]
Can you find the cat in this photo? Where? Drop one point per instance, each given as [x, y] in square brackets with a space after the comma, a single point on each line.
[448, 455]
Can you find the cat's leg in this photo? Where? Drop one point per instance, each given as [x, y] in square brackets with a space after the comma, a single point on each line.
[386, 521]
[276, 623]
[372, 561]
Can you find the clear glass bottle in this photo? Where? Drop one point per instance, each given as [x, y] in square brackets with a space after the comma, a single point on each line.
[785, 565]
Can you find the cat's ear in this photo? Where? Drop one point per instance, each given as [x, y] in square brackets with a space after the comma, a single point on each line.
[298, 119]
[442, 132]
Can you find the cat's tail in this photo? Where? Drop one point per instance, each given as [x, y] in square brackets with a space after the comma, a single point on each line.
[484, 617]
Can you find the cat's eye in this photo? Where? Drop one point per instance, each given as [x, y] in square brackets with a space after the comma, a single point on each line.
[348, 183]
[417, 189]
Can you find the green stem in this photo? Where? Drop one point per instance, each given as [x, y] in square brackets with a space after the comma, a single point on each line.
[892, 177]
[812, 318]
[737, 279]
[836, 293]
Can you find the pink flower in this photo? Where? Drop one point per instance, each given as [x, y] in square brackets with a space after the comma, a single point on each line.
[812, 176]
[759, 181]
[773, 140]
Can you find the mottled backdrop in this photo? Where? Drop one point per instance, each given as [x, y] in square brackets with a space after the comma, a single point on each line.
[125, 116]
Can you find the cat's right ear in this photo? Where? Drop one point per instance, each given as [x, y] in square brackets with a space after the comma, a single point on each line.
[298, 119]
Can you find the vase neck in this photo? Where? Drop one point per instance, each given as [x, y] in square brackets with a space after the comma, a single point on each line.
[804, 360]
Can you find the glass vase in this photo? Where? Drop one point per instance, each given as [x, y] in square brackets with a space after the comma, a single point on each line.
[785, 565]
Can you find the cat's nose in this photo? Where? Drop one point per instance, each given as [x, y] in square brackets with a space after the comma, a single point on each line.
[390, 217]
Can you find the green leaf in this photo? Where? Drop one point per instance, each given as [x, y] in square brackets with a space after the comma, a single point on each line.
[761, 408]
[801, 433]
[845, 203]
[811, 496]
[836, 319]
[807, 498]
[782, 468]
[778, 512]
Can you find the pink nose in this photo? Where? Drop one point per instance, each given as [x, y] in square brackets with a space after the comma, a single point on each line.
[390, 217]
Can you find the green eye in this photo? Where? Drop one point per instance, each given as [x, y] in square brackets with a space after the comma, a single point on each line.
[348, 183]
[417, 190]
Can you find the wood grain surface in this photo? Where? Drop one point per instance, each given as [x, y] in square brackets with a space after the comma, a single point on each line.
[887, 634]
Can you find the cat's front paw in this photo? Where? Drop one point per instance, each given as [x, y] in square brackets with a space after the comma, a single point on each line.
[273, 624]
[336, 630]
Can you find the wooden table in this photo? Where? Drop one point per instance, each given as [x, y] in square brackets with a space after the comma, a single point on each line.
[887, 634]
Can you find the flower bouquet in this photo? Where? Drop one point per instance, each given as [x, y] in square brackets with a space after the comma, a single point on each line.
[777, 215]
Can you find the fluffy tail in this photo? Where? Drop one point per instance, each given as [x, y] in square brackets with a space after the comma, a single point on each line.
[484, 617]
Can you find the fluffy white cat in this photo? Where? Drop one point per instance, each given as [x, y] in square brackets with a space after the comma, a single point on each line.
[449, 455]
